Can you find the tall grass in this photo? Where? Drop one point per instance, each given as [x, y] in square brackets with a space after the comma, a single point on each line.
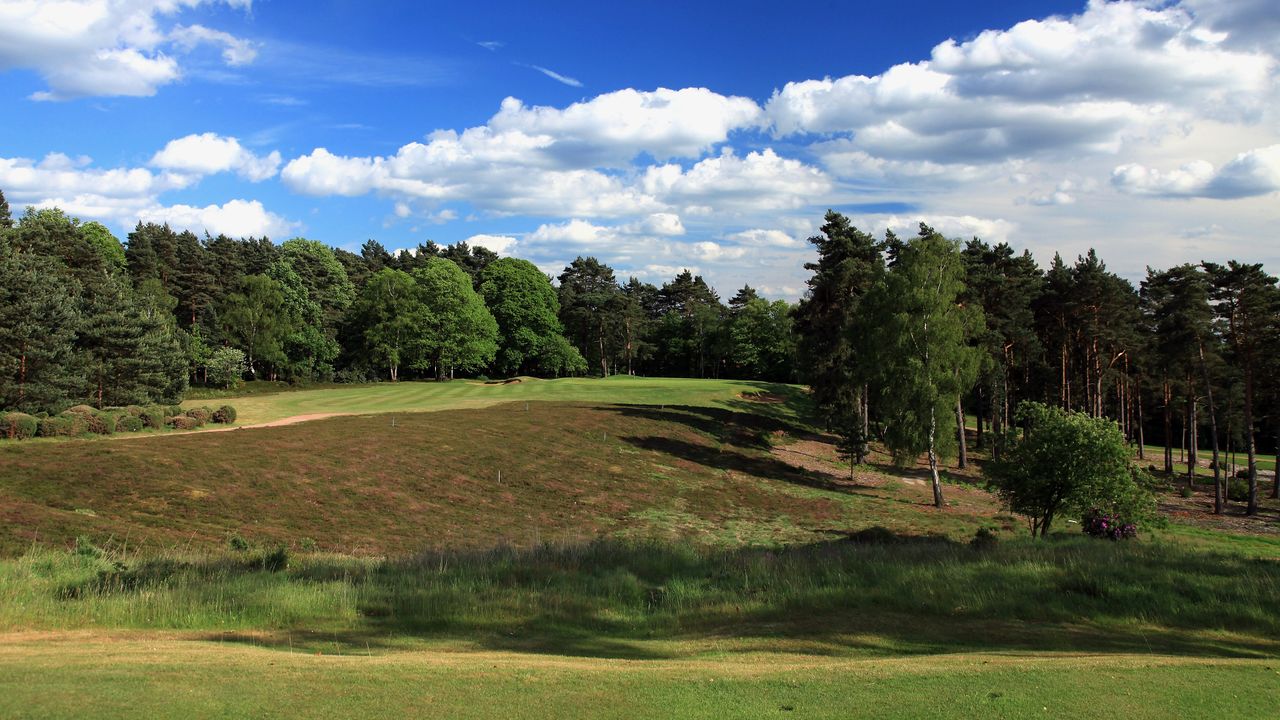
[1076, 593]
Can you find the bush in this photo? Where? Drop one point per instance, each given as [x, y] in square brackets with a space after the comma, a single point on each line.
[78, 422]
[98, 423]
[56, 426]
[128, 423]
[984, 539]
[201, 414]
[135, 410]
[274, 560]
[82, 409]
[18, 426]
[1238, 490]
[224, 415]
[182, 422]
[237, 543]
[1185, 492]
[153, 417]
[1099, 524]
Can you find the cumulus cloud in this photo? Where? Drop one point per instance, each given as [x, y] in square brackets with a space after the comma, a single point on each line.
[756, 181]
[1053, 87]
[236, 218]
[106, 47]
[501, 244]
[210, 153]
[614, 127]
[1250, 174]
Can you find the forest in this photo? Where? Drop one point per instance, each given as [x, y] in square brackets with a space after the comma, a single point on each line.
[900, 340]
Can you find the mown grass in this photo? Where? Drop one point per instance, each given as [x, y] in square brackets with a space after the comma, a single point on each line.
[430, 396]
[105, 677]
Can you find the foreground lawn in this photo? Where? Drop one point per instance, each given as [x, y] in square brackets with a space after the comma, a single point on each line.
[109, 676]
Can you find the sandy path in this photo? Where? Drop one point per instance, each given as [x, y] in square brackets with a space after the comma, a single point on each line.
[291, 420]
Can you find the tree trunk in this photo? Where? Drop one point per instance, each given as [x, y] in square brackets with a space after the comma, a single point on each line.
[1252, 508]
[1192, 427]
[1142, 437]
[962, 455]
[1218, 489]
[978, 440]
[933, 459]
[1168, 428]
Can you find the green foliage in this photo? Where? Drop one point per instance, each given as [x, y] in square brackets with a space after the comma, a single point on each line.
[153, 417]
[201, 414]
[99, 423]
[590, 299]
[461, 334]
[1069, 463]
[394, 319]
[257, 320]
[764, 345]
[56, 426]
[18, 426]
[82, 409]
[557, 357]
[78, 423]
[129, 423]
[224, 415]
[39, 314]
[525, 307]
[920, 342]
[226, 367]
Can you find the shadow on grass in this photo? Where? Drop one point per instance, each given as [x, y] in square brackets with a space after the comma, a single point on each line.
[873, 592]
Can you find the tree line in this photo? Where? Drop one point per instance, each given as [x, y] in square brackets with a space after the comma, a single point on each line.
[86, 318]
[902, 339]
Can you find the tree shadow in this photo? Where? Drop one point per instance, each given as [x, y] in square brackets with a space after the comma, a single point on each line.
[871, 592]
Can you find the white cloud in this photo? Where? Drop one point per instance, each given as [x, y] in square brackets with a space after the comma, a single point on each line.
[58, 175]
[501, 244]
[760, 180]
[210, 153]
[1043, 88]
[1250, 174]
[236, 218]
[105, 47]
[765, 238]
[563, 79]
[614, 127]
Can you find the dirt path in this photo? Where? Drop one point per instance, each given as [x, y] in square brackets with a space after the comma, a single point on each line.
[291, 420]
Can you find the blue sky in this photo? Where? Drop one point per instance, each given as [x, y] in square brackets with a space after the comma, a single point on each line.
[656, 138]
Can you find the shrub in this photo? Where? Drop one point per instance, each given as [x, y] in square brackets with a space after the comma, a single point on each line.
[182, 422]
[1238, 489]
[18, 426]
[78, 422]
[1185, 492]
[224, 415]
[97, 423]
[1069, 463]
[984, 539]
[172, 410]
[1242, 474]
[153, 417]
[128, 423]
[237, 543]
[201, 414]
[82, 409]
[56, 426]
[135, 410]
[1099, 524]
[274, 560]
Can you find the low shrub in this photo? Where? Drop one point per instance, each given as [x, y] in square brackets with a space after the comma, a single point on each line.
[55, 426]
[82, 409]
[78, 422]
[1238, 489]
[172, 410]
[1185, 492]
[984, 539]
[135, 410]
[273, 560]
[182, 422]
[18, 426]
[97, 423]
[202, 414]
[237, 543]
[128, 423]
[1098, 524]
[224, 415]
[153, 417]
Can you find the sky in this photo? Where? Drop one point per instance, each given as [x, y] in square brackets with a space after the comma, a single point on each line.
[695, 135]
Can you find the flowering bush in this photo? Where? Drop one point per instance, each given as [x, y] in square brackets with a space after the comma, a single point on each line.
[1102, 525]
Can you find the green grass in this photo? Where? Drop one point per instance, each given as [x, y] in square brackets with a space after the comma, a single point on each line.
[115, 676]
[430, 396]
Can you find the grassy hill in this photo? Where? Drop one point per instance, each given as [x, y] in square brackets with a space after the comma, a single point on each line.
[595, 548]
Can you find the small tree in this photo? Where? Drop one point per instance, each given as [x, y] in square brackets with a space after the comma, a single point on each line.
[226, 367]
[1068, 462]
